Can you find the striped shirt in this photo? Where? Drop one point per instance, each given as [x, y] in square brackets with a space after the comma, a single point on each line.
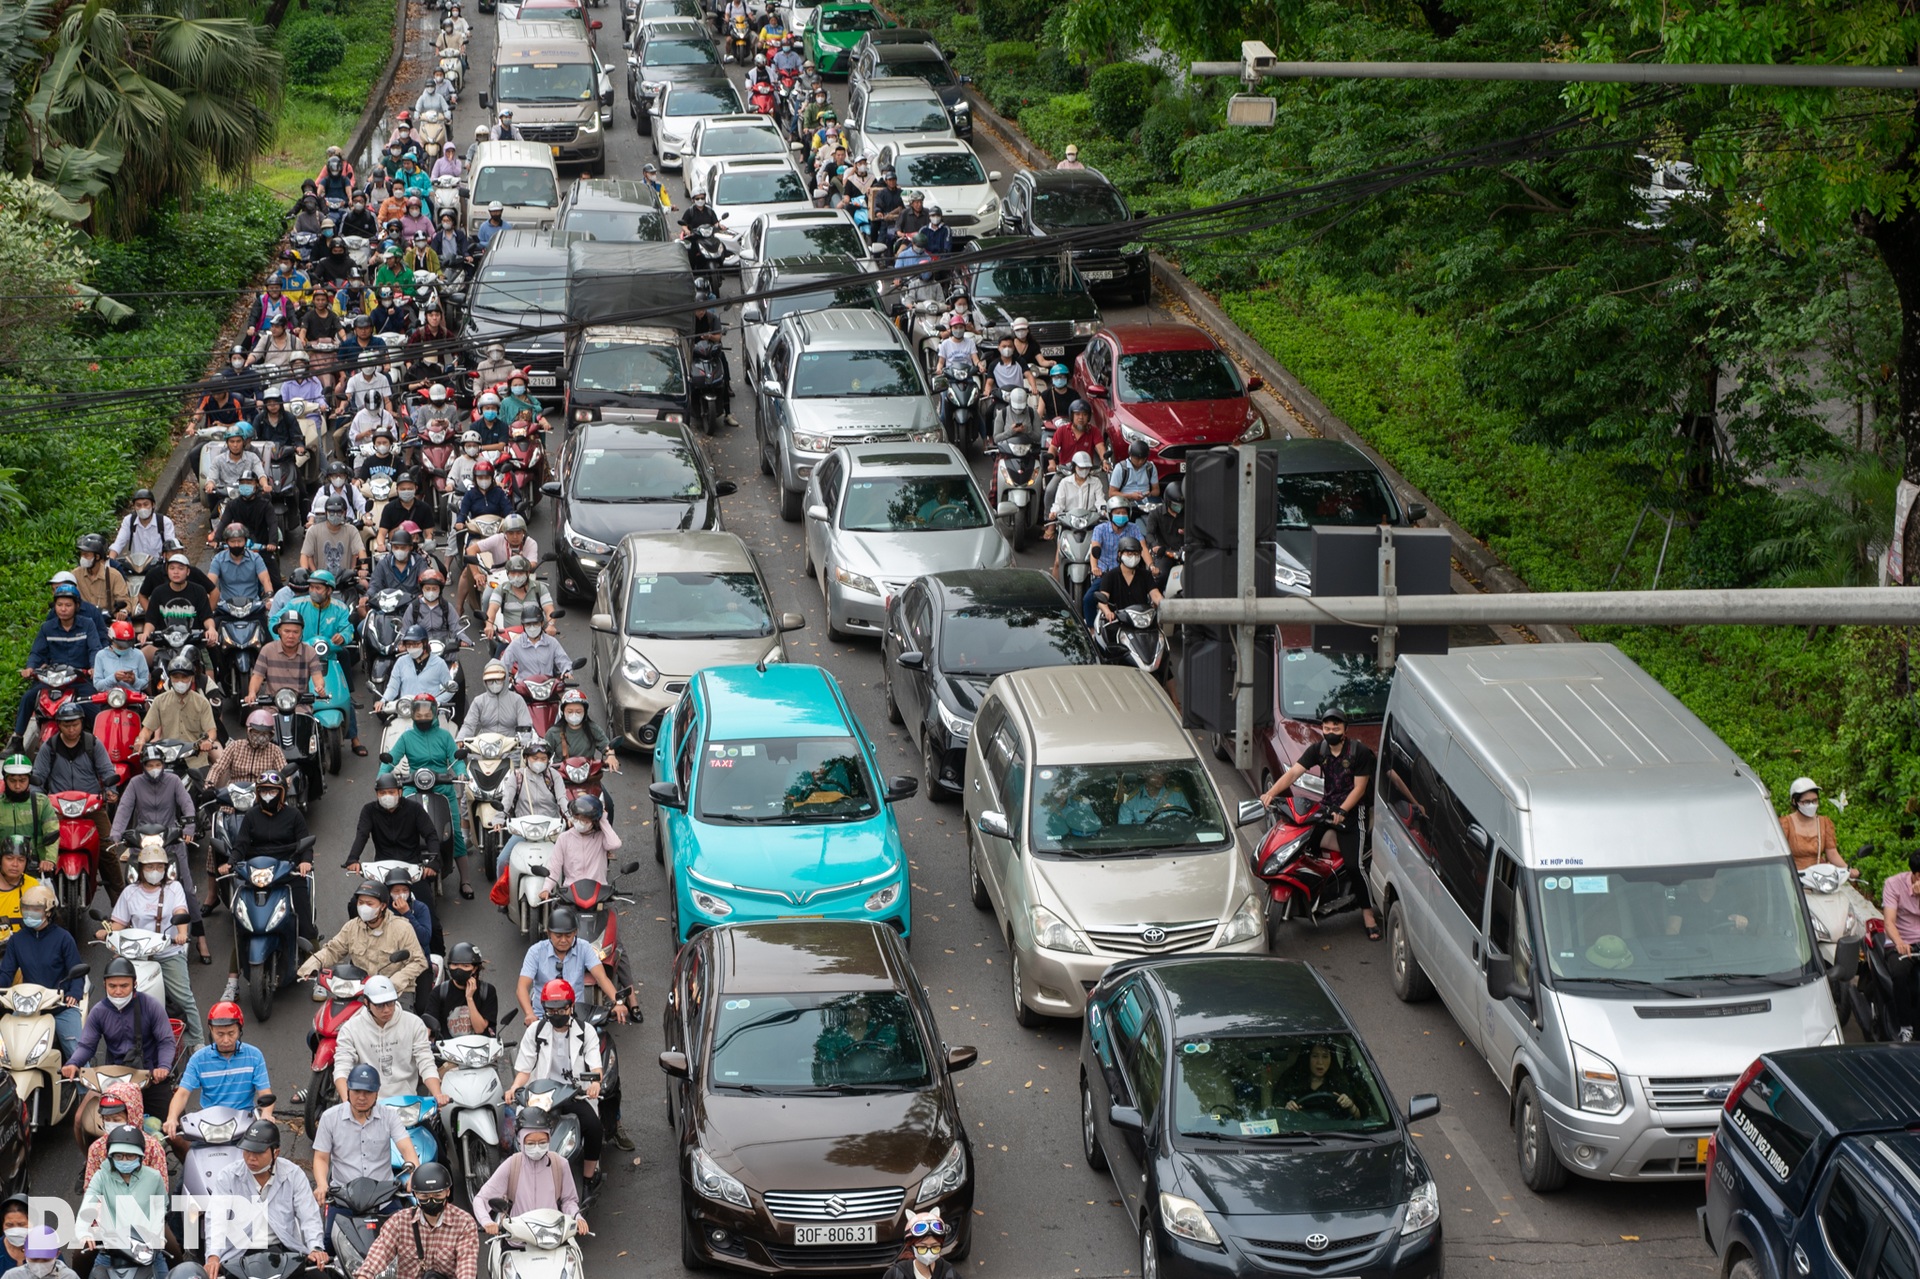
[280, 669]
[227, 1081]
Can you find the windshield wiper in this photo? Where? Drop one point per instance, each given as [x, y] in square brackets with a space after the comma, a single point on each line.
[1771, 979]
[1367, 1138]
[1284, 1138]
[1628, 983]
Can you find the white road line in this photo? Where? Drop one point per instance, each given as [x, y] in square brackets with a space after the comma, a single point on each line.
[1491, 1185]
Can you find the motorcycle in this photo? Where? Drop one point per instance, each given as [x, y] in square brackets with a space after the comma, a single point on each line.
[543, 698]
[708, 254]
[959, 403]
[330, 712]
[32, 1050]
[266, 923]
[446, 196]
[527, 869]
[380, 636]
[475, 1129]
[422, 784]
[1017, 489]
[739, 46]
[582, 776]
[420, 1117]
[1840, 915]
[213, 1145]
[118, 726]
[1134, 638]
[78, 862]
[600, 925]
[490, 758]
[1075, 534]
[707, 383]
[55, 691]
[543, 1242]
[142, 948]
[297, 734]
[364, 1205]
[378, 491]
[337, 991]
[173, 639]
[452, 65]
[518, 469]
[1304, 880]
[127, 1256]
[762, 100]
[242, 627]
[431, 131]
[551, 1094]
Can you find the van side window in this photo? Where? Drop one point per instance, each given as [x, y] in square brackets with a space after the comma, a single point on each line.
[1507, 930]
[989, 721]
[1009, 766]
[1847, 1218]
[1436, 819]
[1896, 1258]
[1775, 1123]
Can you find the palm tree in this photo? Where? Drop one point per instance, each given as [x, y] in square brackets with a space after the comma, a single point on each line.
[1831, 533]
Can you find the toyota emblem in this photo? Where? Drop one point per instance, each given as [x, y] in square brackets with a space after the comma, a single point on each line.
[1153, 935]
[837, 1207]
[869, 439]
[1317, 1243]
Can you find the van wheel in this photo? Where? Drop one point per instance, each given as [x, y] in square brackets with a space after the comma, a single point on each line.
[1022, 1014]
[1410, 981]
[1745, 1268]
[1540, 1167]
[790, 504]
[976, 886]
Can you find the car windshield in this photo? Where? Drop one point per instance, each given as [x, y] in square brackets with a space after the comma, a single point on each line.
[697, 606]
[1616, 932]
[513, 184]
[545, 81]
[760, 186]
[1022, 279]
[940, 169]
[745, 140]
[619, 224]
[911, 504]
[1109, 810]
[906, 115]
[851, 298]
[538, 12]
[862, 19]
[1356, 497]
[932, 70]
[785, 781]
[827, 239]
[992, 641]
[670, 9]
[629, 368]
[1311, 684]
[701, 99]
[1255, 1086]
[1077, 206]
[1160, 377]
[824, 375]
[680, 53]
[817, 1043]
[668, 474]
[503, 288]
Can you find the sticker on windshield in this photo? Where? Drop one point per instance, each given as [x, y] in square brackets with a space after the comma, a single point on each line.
[1196, 1046]
[1547, 884]
[1589, 883]
[1260, 1128]
[643, 588]
[715, 748]
[591, 452]
[1297, 655]
[1566, 882]
[1206, 834]
[748, 750]
[733, 752]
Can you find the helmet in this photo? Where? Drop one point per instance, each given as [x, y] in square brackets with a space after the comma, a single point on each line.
[364, 1077]
[297, 579]
[92, 544]
[262, 718]
[1118, 502]
[1801, 785]
[493, 668]
[16, 766]
[367, 888]
[562, 920]
[380, 990]
[531, 1120]
[270, 780]
[431, 574]
[226, 1013]
[153, 754]
[290, 618]
[1137, 450]
[538, 746]
[335, 504]
[43, 1243]
[120, 966]
[321, 576]
[398, 875]
[488, 400]
[1017, 399]
[428, 700]
[572, 697]
[556, 991]
[1130, 544]
[514, 524]
[464, 952]
[1058, 370]
[428, 1179]
[401, 538]
[416, 634]
[152, 853]
[125, 1139]
[261, 1134]
[587, 806]
[518, 564]
[1079, 406]
[386, 781]
[122, 630]
[337, 468]
[470, 437]
[1173, 492]
[483, 468]
[69, 713]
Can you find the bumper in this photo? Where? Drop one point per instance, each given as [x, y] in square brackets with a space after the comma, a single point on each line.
[578, 569]
[637, 712]
[796, 466]
[855, 610]
[751, 908]
[950, 756]
[1635, 1145]
[754, 1242]
[1418, 1257]
[1113, 273]
[1056, 982]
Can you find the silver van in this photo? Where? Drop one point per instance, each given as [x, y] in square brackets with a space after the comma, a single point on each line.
[549, 76]
[1597, 888]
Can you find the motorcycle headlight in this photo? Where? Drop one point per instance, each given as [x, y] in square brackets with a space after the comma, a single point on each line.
[958, 730]
[1184, 1218]
[286, 699]
[409, 1115]
[1600, 1088]
[279, 913]
[719, 1186]
[1820, 929]
[117, 698]
[1288, 577]
[637, 669]
[947, 1176]
[24, 1004]
[587, 544]
[218, 1134]
[549, 1235]
[1423, 1209]
[708, 904]
[854, 582]
[1085, 328]
[1249, 921]
[72, 807]
[1287, 851]
[1050, 932]
[40, 1046]
[261, 877]
[884, 898]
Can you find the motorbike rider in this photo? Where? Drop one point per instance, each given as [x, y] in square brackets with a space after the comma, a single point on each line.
[403, 904]
[326, 618]
[505, 131]
[885, 202]
[1165, 530]
[120, 662]
[498, 709]
[428, 745]
[430, 611]
[370, 939]
[401, 829]
[380, 459]
[577, 733]
[74, 759]
[407, 508]
[530, 1178]
[228, 467]
[152, 901]
[291, 663]
[519, 399]
[449, 241]
[447, 165]
[277, 1210]
[14, 884]
[1078, 434]
[1810, 836]
[143, 531]
[66, 638]
[335, 266]
[181, 712]
[358, 221]
[939, 234]
[175, 599]
[496, 368]
[99, 582]
[1018, 418]
[585, 849]
[42, 952]
[1105, 548]
[431, 1238]
[27, 813]
[1346, 768]
[40, 1254]
[225, 1072]
[356, 1137]
[154, 796]
[389, 1038]
[535, 653]
[1900, 901]
[463, 1003]
[562, 1048]
[127, 1028]
[485, 497]
[560, 955]
[697, 215]
[125, 1201]
[248, 758]
[758, 77]
[1135, 478]
[526, 602]
[255, 514]
[496, 223]
[532, 790]
[924, 1233]
[1005, 376]
[1054, 396]
[333, 543]
[398, 569]
[1128, 584]
[240, 574]
[1078, 491]
[959, 346]
[273, 826]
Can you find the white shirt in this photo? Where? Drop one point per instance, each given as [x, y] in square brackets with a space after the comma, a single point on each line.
[142, 905]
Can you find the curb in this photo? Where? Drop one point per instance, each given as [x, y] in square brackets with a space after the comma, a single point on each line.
[364, 131]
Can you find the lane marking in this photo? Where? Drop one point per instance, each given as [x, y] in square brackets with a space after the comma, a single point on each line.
[1490, 1183]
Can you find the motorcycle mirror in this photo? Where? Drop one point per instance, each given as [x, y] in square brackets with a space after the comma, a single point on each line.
[76, 972]
[499, 1206]
[265, 1099]
[181, 916]
[791, 622]
[579, 662]
[399, 957]
[629, 868]
[1250, 811]
[551, 488]
[549, 558]
[93, 913]
[386, 757]
[303, 946]
[508, 1016]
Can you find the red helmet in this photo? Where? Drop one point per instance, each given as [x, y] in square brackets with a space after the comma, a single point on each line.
[122, 631]
[226, 1013]
[573, 697]
[479, 467]
[556, 991]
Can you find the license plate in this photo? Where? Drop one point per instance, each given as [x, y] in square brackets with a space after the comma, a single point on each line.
[1053, 352]
[1700, 1151]
[555, 148]
[1100, 275]
[543, 379]
[804, 1235]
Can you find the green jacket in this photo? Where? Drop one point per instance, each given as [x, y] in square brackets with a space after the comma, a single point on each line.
[32, 817]
[430, 749]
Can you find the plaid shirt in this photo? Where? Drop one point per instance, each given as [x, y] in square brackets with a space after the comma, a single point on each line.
[241, 761]
[280, 669]
[451, 1247]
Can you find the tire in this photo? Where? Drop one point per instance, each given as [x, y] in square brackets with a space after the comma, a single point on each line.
[1745, 1268]
[673, 912]
[1149, 1251]
[1022, 1014]
[893, 705]
[478, 1161]
[1222, 747]
[790, 504]
[1540, 1167]
[1279, 915]
[266, 982]
[1141, 293]
[690, 1258]
[930, 767]
[1411, 985]
[332, 749]
[976, 886]
[766, 461]
[659, 844]
[320, 1096]
[1089, 1137]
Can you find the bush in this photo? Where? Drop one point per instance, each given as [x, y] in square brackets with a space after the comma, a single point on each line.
[313, 47]
[1050, 125]
[1169, 122]
[1010, 58]
[1013, 19]
[1719, 554]
[1120, 94]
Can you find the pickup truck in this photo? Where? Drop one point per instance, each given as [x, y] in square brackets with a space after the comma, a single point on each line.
[1814, 1172]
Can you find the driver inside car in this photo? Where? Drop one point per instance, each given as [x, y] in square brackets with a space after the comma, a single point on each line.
[830, 783]
[851, 1025]
[1153, 797]
[1699, 907]
[1316, 1083]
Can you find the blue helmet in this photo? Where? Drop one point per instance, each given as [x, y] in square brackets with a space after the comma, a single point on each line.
[363, 1078]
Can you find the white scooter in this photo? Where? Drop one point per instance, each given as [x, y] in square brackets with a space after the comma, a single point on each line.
[213, 1144]
[527, 882]
[1840, 913]
[32, 1049]
[542, 1244]
[472, 1114]
[142, 947]
[1076, 551]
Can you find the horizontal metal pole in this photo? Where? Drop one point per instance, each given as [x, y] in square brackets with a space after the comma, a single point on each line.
[1797, 76]
[1851, 606]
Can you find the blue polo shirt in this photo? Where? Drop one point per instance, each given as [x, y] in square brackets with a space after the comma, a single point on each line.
[543, 965]
[227, 1081]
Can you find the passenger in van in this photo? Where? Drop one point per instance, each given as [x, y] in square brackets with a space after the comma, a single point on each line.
[1692, 912]
[1346, 767]
[1810, 836]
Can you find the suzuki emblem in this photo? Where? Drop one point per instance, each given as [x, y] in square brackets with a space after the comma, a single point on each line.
[1153, 935]
[1317, 1243]
[837, 1207]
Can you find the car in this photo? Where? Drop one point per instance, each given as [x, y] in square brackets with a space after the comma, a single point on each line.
[880, 515]
[627, 366]
[949, 635]
[550, 11]
[682, 104]
[728, 137]
[627, 471]
[841, 288]
[773, 238]
[913, 52]
[1167, 384]
[1061, 201]
[831, 377]
[520, 290]
[1183, 1063]
[552, 77]
[895, 110]
[799, 14]
[1307, 684]
[952, 177]
[641, 13]
[741, 190]
[833, 30]
[612, 209]
[812, 1098]
[666, 52]
[521, 177]
[1045, 292]
[1330, 482]
[667, 604]
[767, 802]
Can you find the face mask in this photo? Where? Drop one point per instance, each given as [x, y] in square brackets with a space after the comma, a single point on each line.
[383, 448]
[471, 450]
[270, 800]
[459, 976]
[155, 875]
[246, 490]
[238, 552]
[256, 737]
[496, 685]
[534, 632]
[516, 579]
[1059, 383]
[334, 520]
[483, 481]
[490, 414]
[143, 513]
[86, 561]
[519, 390]
[35, 922]
[368, 913]
[18, 1238]
[182, 687]
[575, 717]
[560, 1020]
[1176, 507]
[407, 496]
[389, 802]
[537, 765]
[582, 825]
[534, 1150]
[238, 362]
[121, 1001]
[400, 905]
[1131, 561]
[1810, 809]
[1119, 518]
[1006, 353]
[125, 1164]
[121, 646]
[432, 1207]
[154, 772]
[1336, 737]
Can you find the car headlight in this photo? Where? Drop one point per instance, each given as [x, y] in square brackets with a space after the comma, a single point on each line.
[933, 435]
[652, 87]
[1131, 436]
[947, 1176]
[715, 1184]
[1085, 328]
[884, 898]
[1185, 1219]
[1423, 1209]
[1050, 932]
[989, 204]
[587, 544]
[1256, 430]
[1600, 1087]
[708, 904]
[1249, 921]
[812, 443]
[638, 670]
[592, 125]
[854, 582]
[958, 730]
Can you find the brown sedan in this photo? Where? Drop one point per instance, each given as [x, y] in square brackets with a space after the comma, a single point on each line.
[813, 1097]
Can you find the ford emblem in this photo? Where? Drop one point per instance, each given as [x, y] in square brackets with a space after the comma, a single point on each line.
[1719, 1092]
[1153, 936]
[1317, 1242]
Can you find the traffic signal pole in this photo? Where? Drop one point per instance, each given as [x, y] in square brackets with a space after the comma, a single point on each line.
[1818, 606]
[1243, 632]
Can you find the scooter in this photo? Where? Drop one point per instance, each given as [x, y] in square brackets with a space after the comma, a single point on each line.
[55, 691]
[32, 1050]
[118, 726]
[1304, 880]
[1841, 916]
[78, 866]
[551, 1094]
[242, 627]
[1134, 638]
[420, 1116]
[593, 904]
[527, 869]
[544, 1243]
[142, 947]
[422, 784]
[707, 384]
[126, 1257]
[213, 1145]
[330, 712]
[233, 806]
[959, 403]
[380, 636]
[582, 776]
[543, 695]
[1075, 534]
[297, 734]
[337, 991]
[490, 759]
[94, 1082]
[762, 100]
[267, 927]
[709, 255]
[1017, 489]
[365, 1203]
[739, 46]
[475, 1132]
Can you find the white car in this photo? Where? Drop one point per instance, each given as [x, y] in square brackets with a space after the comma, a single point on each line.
[729, 137]
[772, 238]
[741, 190]
[894, 110]
[953, 178]
[683, 104]
[799, 14]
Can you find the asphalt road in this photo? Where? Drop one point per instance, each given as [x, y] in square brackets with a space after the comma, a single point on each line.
[1040, 1211]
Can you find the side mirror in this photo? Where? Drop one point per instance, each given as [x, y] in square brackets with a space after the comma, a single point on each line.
[629, 868]
[551, 488]
[674, 1064]
[1422, 1105]
[1250, 811]
[750, 314]
[791, 622]
[76, 972]
[967, 79]
[594, 25]
[902, 787]
[725, 488]
[1254, 383]
[499, 1206]
[769, 387]
[1502, 984]
[579, 663]
[817, 512]
[1416, 511]
[912, 660]
[399, 957]
[603, 623]
[485, 103]
[994, 824]
[1125, 1118]
[1096, 389]
[665, 795]
[993, 175]
[386, 757]
[962, 1057]
[265, 1099]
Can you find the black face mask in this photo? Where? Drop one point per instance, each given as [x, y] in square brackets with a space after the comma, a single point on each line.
[1334, 739]
[459, 976]
[560, 1020]
[432, 1207]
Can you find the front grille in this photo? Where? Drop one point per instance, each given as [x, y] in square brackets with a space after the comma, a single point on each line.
[834, 1205]
[866, 1256]
[549, 132]
[1295, 1257]
[1153, 939]
[961, 221]
[901, 436]
[1690, 1093]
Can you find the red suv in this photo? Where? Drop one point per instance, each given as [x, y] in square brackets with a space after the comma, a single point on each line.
[1167, 384]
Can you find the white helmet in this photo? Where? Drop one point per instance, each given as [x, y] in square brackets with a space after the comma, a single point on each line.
[482, 132]
[489, 401]
[1017, 399]
[1083, 461]
[1801, 785]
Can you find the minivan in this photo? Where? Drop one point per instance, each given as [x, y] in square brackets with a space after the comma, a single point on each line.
[1597, 888]
[521, 177]
[1091, 846]
[547, 74]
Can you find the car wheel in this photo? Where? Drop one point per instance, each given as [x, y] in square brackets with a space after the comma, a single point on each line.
[1540, 1167]
[976, 886]
[766, 458]
[807, 567]
[659, 844]
[1149, 1251]
[790, 504]
[1223, 747]
[886, 684]
[1745, 1268]
[1089, 1136]
[690, 1258]
[1410, 981]
[1021, 1013]
[930, 766]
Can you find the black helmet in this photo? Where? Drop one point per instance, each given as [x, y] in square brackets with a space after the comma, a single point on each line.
[297, 579]
[143, 495]
[528, 1119]
[234, 532]
[428, 1179]
[386, 781]
[401, 538]
[182, 666]
[1173, 492]
[416, 634]
[563, 920]
[153, 754]
[369, 888]
[120, 966]
[337, 468]
[1137, 450]
[464, 952]
[68, 713]
[92, 544]
[1079, 406]
[1130, 544]
[125, 1137]
[398, 875]
[587, 806]
[261, 1134]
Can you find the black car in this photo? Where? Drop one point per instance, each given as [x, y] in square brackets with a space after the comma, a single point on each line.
[1058, 201]
[627, 366]
[521, 284]
[627, 471]
[668, 52]
[1247, 1128]
[911, 51]
[949, 634]
[1328, 482]
[612, 209]
[1047, 293]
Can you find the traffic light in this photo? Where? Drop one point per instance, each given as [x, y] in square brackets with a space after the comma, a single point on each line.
[1214, 482]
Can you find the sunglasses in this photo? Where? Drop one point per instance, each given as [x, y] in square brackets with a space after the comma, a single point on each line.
[932, 1226]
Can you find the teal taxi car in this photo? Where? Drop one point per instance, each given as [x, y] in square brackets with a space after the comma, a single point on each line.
[768, 804]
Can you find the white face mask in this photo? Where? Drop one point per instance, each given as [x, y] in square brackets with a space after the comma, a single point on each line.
[537, 765]
[516, 579]
[483, 481]
[1810, 809]
[17, 1238]
[154, 875]
[368, 913]
[40, 1267]
[389, 802]
[496, 685]
[575, 717]
[86, 561]
[534, 1150]
[471, 450]
[1131, 561]
[430, 594]
[120, 1001]
[582, 825]
[154, 772]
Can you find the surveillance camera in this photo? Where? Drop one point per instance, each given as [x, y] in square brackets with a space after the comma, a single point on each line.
[1256, 56]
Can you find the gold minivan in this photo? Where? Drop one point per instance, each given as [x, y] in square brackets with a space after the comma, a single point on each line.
[549, 76]
[1095, 834]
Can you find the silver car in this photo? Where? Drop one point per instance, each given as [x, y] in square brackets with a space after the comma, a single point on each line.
[836, 377]
[895, 110]
[880, 515]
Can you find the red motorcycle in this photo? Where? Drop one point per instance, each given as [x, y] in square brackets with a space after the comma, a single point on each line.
[543, 700]
[582, 776]
[1304, 880]
[600, 927]
[518, 470]
[78, 874]
[55, 691]
[762, 101]
[339, 987]
[119, 724]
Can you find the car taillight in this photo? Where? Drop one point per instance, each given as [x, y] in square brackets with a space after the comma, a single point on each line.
[1713, 1153]
[1740, 1085]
